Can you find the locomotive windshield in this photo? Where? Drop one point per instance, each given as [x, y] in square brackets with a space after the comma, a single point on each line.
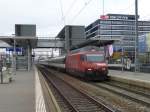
[95, 57]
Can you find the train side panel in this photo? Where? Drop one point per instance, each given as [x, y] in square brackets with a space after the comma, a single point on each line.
[73, 63]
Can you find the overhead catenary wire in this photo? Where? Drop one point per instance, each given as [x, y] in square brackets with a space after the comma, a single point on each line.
[62, 19]
[79, 12]
[62, 13]
[69, 9]
[62, 22]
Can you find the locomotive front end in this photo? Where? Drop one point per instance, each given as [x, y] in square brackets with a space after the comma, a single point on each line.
[96, 68]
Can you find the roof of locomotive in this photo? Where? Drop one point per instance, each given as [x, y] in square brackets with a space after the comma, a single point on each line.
[87, 52]
[87, 48]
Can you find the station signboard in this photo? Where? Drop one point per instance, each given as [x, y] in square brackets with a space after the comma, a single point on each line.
[18, 49]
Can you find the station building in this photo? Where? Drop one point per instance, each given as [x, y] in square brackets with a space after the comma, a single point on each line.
[71, 35]
[121, 26]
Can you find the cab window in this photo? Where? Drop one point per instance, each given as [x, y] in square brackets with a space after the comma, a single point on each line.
[82, 58]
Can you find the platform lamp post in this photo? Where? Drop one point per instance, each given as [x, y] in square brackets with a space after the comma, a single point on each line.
[14, 54]
[136, 35]
[122, 54]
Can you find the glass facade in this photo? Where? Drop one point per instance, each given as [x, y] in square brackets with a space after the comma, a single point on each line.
[121, 26]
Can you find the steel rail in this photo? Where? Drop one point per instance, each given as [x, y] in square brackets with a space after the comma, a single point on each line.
[124, 94]
[53, 84]
[122, 86]
[90, 98]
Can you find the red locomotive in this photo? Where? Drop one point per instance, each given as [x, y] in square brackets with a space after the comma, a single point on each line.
[87, 64]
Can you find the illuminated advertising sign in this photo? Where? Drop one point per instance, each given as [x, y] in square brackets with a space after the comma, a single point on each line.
[117, 17]
[104, 17]
[110, 48]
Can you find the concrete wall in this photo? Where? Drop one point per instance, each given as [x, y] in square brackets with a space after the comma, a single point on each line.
[25, 30]
[78, 35]
[74, 35]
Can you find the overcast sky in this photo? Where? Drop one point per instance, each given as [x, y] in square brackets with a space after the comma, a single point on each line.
[51, 15]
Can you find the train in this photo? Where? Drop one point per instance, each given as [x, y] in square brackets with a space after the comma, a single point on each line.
[90, 64]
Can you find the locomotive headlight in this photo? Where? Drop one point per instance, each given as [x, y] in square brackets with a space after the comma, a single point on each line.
[89, 69]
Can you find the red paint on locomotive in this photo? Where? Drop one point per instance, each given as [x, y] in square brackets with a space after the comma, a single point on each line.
[87, 64]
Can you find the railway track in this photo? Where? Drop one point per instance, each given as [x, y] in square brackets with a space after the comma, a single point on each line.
[72, 99]
[138, 96]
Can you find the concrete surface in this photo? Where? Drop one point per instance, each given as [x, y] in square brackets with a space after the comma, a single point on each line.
[39, 97]
[135, 78]
[18, 96]
[131, 75]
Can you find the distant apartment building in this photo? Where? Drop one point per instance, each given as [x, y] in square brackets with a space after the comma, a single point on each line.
[121, 26]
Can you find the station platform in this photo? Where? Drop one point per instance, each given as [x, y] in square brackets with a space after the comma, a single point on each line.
[144, 68]
[24, 93]
[19, 95]
[134, 78]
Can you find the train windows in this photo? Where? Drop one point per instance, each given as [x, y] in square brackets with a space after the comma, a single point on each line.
[95, 57]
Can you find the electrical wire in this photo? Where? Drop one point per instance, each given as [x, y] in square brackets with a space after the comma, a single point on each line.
[62, 14]
[80, 11]
[69, 9]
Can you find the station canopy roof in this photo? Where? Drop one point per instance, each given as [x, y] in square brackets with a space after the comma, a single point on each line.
[20, 40]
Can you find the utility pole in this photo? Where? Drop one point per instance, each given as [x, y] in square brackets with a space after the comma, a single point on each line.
[136, 35]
